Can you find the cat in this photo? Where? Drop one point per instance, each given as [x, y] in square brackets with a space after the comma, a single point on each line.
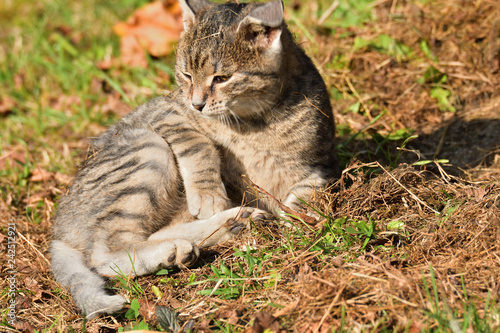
[168, 178]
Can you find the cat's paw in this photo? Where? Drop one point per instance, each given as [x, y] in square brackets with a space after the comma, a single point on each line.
[101, 304]
[243, 217]
[298, 206]
[182, 253]
[204, 205]
[225, 225]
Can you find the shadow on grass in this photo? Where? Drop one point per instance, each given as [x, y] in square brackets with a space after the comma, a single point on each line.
[468, 140]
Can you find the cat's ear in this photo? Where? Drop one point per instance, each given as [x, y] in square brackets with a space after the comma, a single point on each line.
[189, 9]
[263, 26]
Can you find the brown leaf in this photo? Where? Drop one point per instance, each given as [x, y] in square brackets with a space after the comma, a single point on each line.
[154, 27]
[41, 175]
[12, 157]
[265, 321]
[231, 315]
[24, 301]
[6, 105]
[480, 193]
[147, 309]
[33, 199]
[287, 309]
[62, 178]
[115, 105]
[23, 326]
[203, 327]
[33, 286]
[105, 64]
[65, 103]
[132, 53]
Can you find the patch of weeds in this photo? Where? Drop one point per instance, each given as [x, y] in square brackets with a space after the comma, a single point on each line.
[338, 63]
[469, 318]
[385, 44]
[349, 13]
[448, 210]
[227, 327]
[232, 280]
[129, 284]
[424, 46]
[343, 233]
[335, 237]
[386, 150]
[439, 91]
[135, 291]
[133, 314]
[442, 96]
[344, 154]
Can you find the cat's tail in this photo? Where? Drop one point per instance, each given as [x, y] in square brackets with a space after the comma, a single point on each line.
[86, 287]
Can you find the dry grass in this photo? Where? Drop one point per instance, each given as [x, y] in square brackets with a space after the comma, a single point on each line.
[417, 271]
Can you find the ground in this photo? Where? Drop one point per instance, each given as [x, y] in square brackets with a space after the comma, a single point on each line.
[409, 234]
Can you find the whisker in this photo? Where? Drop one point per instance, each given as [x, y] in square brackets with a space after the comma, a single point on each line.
[236, 118]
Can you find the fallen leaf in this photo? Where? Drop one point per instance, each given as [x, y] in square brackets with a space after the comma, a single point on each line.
[287, 309]
[105, 64]
[153, 28]
[41, 175]
[6, 105]
[230, 315]
[132, 53]
[34, 198]
[264, 321]
[62, 178]
[33, 287]
[12, 156]
[204, 326]
[167, 318]
[24, 301]
[147, 309]
[23, 326]
[115, 105]
[65, 103]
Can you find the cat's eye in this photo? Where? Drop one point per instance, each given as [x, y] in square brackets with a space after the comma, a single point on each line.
[187, 76]
[220, 78]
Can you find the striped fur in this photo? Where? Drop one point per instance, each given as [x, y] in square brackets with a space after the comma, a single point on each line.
[167, 176]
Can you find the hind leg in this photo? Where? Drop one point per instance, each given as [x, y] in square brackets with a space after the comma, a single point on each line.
[86, 287]
[137, 200]
[147, 257]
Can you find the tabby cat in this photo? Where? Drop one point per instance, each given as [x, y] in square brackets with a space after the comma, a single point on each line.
[167, 178]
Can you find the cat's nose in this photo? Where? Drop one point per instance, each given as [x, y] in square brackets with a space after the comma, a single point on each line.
[198, 105]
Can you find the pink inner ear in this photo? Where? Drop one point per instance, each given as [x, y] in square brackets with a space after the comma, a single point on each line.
[263, 39]
[272, 34]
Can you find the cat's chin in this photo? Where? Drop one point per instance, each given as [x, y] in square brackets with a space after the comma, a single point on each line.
[219, 116]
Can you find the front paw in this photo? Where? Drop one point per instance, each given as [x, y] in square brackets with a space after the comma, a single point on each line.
[242, 219]
[204, 205]
[182, 253]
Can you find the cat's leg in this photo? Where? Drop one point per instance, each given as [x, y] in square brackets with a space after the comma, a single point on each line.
[220, 227]
[127, 189]
[199, 165]
[145, 257]
[304, 190]
[138, 196]
[173, 245]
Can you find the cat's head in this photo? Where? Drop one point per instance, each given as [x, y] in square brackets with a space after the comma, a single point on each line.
[229, 58]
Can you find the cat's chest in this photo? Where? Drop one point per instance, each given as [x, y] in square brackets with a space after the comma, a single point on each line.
[265, 157]
[257, 160]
